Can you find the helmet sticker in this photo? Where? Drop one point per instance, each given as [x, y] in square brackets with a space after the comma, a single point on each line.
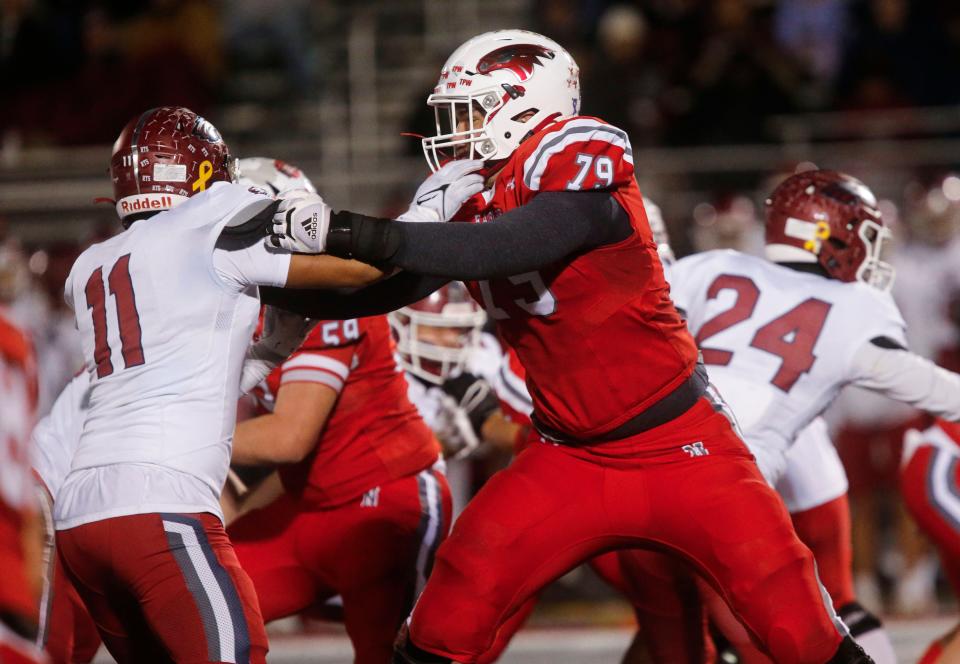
[206, 172]
[518, 58]
[169, 172]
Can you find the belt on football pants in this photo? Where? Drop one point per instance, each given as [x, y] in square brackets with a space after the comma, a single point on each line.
[665, 410]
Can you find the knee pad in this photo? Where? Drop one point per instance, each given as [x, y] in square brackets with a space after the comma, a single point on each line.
[850, 652]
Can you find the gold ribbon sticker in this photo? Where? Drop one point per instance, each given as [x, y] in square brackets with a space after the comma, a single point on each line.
[206, 172]
[822, 233]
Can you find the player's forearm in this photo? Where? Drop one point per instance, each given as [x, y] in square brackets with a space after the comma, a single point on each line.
[380, 298]
[909, 378]
[32, 537]
[269, 440]
[319, 271]
[546, 230]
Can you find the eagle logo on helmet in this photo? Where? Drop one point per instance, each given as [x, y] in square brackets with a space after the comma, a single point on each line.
[521, 59]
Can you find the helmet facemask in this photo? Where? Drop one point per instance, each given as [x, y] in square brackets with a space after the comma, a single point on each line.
[436, 346]
[462, 128]
[874, 270]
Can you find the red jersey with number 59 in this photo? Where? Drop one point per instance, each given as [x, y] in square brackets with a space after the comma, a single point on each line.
[374, 434]
[597, 332]
[778, 343]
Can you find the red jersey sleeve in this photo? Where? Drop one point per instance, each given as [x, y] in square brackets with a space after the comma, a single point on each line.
[579, 155]
[327, 355]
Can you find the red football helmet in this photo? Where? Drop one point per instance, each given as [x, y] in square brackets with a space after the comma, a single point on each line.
[436, 335]
[832, 219]
[164, 156]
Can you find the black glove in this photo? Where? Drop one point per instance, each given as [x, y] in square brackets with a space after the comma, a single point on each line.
[475, 396]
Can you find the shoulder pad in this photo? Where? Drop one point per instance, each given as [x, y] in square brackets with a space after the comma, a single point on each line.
[579, 154]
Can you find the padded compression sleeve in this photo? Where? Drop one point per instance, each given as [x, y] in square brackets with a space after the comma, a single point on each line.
[550, 227]
[379, 298]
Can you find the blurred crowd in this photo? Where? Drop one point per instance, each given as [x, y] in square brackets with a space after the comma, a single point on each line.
[671, 72]
[691, 72]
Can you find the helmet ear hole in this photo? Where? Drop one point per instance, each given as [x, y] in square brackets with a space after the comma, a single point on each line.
[524, 116]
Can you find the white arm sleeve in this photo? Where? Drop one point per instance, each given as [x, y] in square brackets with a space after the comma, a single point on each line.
[254, 265]
[907, 377]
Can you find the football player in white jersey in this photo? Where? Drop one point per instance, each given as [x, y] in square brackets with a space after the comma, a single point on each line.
[65, 629]
[782, 335]
[165, 311]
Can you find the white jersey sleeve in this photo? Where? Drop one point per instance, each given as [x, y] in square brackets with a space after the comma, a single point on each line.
[256, 264]
[56, 436]
[905, 376]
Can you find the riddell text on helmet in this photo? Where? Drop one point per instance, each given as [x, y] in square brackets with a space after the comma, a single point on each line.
[142, 203]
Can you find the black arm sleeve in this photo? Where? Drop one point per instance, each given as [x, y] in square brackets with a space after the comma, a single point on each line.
[379, 298]
[550, 227]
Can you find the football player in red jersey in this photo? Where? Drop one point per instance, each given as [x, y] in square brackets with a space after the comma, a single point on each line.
[20, 538]
[364, 504]
[359, 505]
[930, 484]
[633, 451]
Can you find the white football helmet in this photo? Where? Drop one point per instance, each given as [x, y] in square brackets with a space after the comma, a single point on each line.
[515, 79]
[436, 336]
[273, 175]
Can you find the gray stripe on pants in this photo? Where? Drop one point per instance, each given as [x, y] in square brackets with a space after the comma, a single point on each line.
[210, 628]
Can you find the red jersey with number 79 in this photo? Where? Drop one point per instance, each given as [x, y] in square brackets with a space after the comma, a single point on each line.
[597, 332]
[373, 434]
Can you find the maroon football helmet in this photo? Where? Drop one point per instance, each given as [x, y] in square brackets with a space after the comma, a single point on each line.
[832, 219]
[162, 157]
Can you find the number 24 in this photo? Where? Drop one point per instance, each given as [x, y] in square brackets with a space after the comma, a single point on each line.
[791, 336]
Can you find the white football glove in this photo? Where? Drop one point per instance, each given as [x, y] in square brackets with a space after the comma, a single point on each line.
[300, 223]
[283, 332]
[445, 192]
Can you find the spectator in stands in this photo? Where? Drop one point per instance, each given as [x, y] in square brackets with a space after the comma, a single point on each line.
[898, 55]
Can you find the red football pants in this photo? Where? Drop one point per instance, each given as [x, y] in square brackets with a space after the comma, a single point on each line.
[164, 587]
[689, 487]
[375, 552]
[65, 629]
[930, 484]
[825, 529]
[668, 602]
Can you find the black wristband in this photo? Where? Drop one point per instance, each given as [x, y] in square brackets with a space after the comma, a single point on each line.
[364, 238]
